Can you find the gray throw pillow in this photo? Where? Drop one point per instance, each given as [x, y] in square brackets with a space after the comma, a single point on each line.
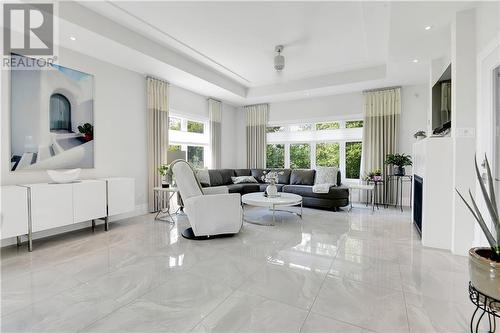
[302, 177]
[203, 177]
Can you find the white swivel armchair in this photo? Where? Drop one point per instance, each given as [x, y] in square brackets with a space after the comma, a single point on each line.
[211, 213]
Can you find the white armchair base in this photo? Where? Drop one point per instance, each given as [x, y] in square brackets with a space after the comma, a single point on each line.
[189, 234]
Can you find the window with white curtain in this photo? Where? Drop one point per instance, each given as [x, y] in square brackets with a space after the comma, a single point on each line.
[323, 143]
[190, 134]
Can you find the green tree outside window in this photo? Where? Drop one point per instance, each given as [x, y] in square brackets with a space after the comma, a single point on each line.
[327, 154]
[353, 159]
[174, 124]
[327, 126]
[195, 127]
[275, 156]
[195, 156]
[300, 156]
[354, 124]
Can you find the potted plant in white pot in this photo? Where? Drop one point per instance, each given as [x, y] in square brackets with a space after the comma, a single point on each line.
[484, 262]
[165, 172]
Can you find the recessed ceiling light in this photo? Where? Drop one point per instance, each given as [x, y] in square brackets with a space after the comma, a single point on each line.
[429, 27]
[415, 60]
[72, 37]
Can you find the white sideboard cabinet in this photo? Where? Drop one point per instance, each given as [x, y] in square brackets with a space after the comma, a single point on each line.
[38, 207]
[14, 211]
[89, 200]
[51, 205]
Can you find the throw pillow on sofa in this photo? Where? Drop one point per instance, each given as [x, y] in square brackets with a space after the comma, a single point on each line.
[203, 177]
[326, 175]
[302, 177]
[244, 180]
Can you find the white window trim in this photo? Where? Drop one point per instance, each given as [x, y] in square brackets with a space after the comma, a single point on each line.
[312, 137]
[185, 138]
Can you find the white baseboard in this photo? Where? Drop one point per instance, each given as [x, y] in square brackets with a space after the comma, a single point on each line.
[139, 210]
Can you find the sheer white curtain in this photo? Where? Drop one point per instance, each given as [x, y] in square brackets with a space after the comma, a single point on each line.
[215, 115]
[257, 116]
[157, 114]
[382, 111]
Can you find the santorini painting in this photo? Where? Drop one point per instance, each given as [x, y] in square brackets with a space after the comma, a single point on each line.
[52, 118]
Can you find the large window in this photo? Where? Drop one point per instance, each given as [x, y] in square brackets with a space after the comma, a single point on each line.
[324, 143]
[196, 156]
[275, 156]
[191, 136]
[300, 156]
[352, 159]
[195, 127]
[328, 126]
[327, 154]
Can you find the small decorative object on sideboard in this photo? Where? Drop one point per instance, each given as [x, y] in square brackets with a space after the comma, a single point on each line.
[399, 161]
[64, 176]
[420, 135]
[88, 131]
[271, 177]
[484, 262]
[164, 171]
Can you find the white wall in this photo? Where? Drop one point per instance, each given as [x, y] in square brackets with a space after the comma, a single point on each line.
[414, 112]
[120, 124]
[319, 108]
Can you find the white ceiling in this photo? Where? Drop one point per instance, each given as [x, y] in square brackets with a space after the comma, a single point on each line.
[330, 47]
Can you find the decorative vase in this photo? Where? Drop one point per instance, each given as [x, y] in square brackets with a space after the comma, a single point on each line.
[399, 170]
[272, 190]
[484, 273]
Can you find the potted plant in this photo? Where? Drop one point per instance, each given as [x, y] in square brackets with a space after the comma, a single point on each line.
[420, 135]
[484, 262]
[164, 171]
[399, 161]
[88, 131]
[375, 175]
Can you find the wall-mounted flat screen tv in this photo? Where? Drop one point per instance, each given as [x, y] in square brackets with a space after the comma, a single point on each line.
[441, 103]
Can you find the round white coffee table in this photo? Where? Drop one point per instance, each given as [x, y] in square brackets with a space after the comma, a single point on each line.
[273, 203]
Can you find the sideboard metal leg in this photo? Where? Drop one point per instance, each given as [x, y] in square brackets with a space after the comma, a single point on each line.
[106, 224]
[18, 239]
[30, 223]
[93, 225]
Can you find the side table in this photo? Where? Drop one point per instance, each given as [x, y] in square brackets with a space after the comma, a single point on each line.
[164, 195]
[400, 179]
[369, 188]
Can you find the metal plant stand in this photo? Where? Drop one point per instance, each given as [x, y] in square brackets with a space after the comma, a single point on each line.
[484, 305]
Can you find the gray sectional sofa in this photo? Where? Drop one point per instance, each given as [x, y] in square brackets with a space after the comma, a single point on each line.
[298, 181]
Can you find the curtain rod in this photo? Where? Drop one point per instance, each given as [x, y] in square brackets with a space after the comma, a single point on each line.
[214, 99]
[381, 89]
[157, 78]
[255, 104]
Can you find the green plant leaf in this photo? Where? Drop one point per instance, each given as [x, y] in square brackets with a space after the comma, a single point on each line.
[479, 219]
[491, 185]
[487, 200]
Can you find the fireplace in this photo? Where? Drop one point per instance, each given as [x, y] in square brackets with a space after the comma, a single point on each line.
[418, 183]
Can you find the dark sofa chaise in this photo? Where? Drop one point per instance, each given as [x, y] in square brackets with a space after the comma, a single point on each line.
[298, 181]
